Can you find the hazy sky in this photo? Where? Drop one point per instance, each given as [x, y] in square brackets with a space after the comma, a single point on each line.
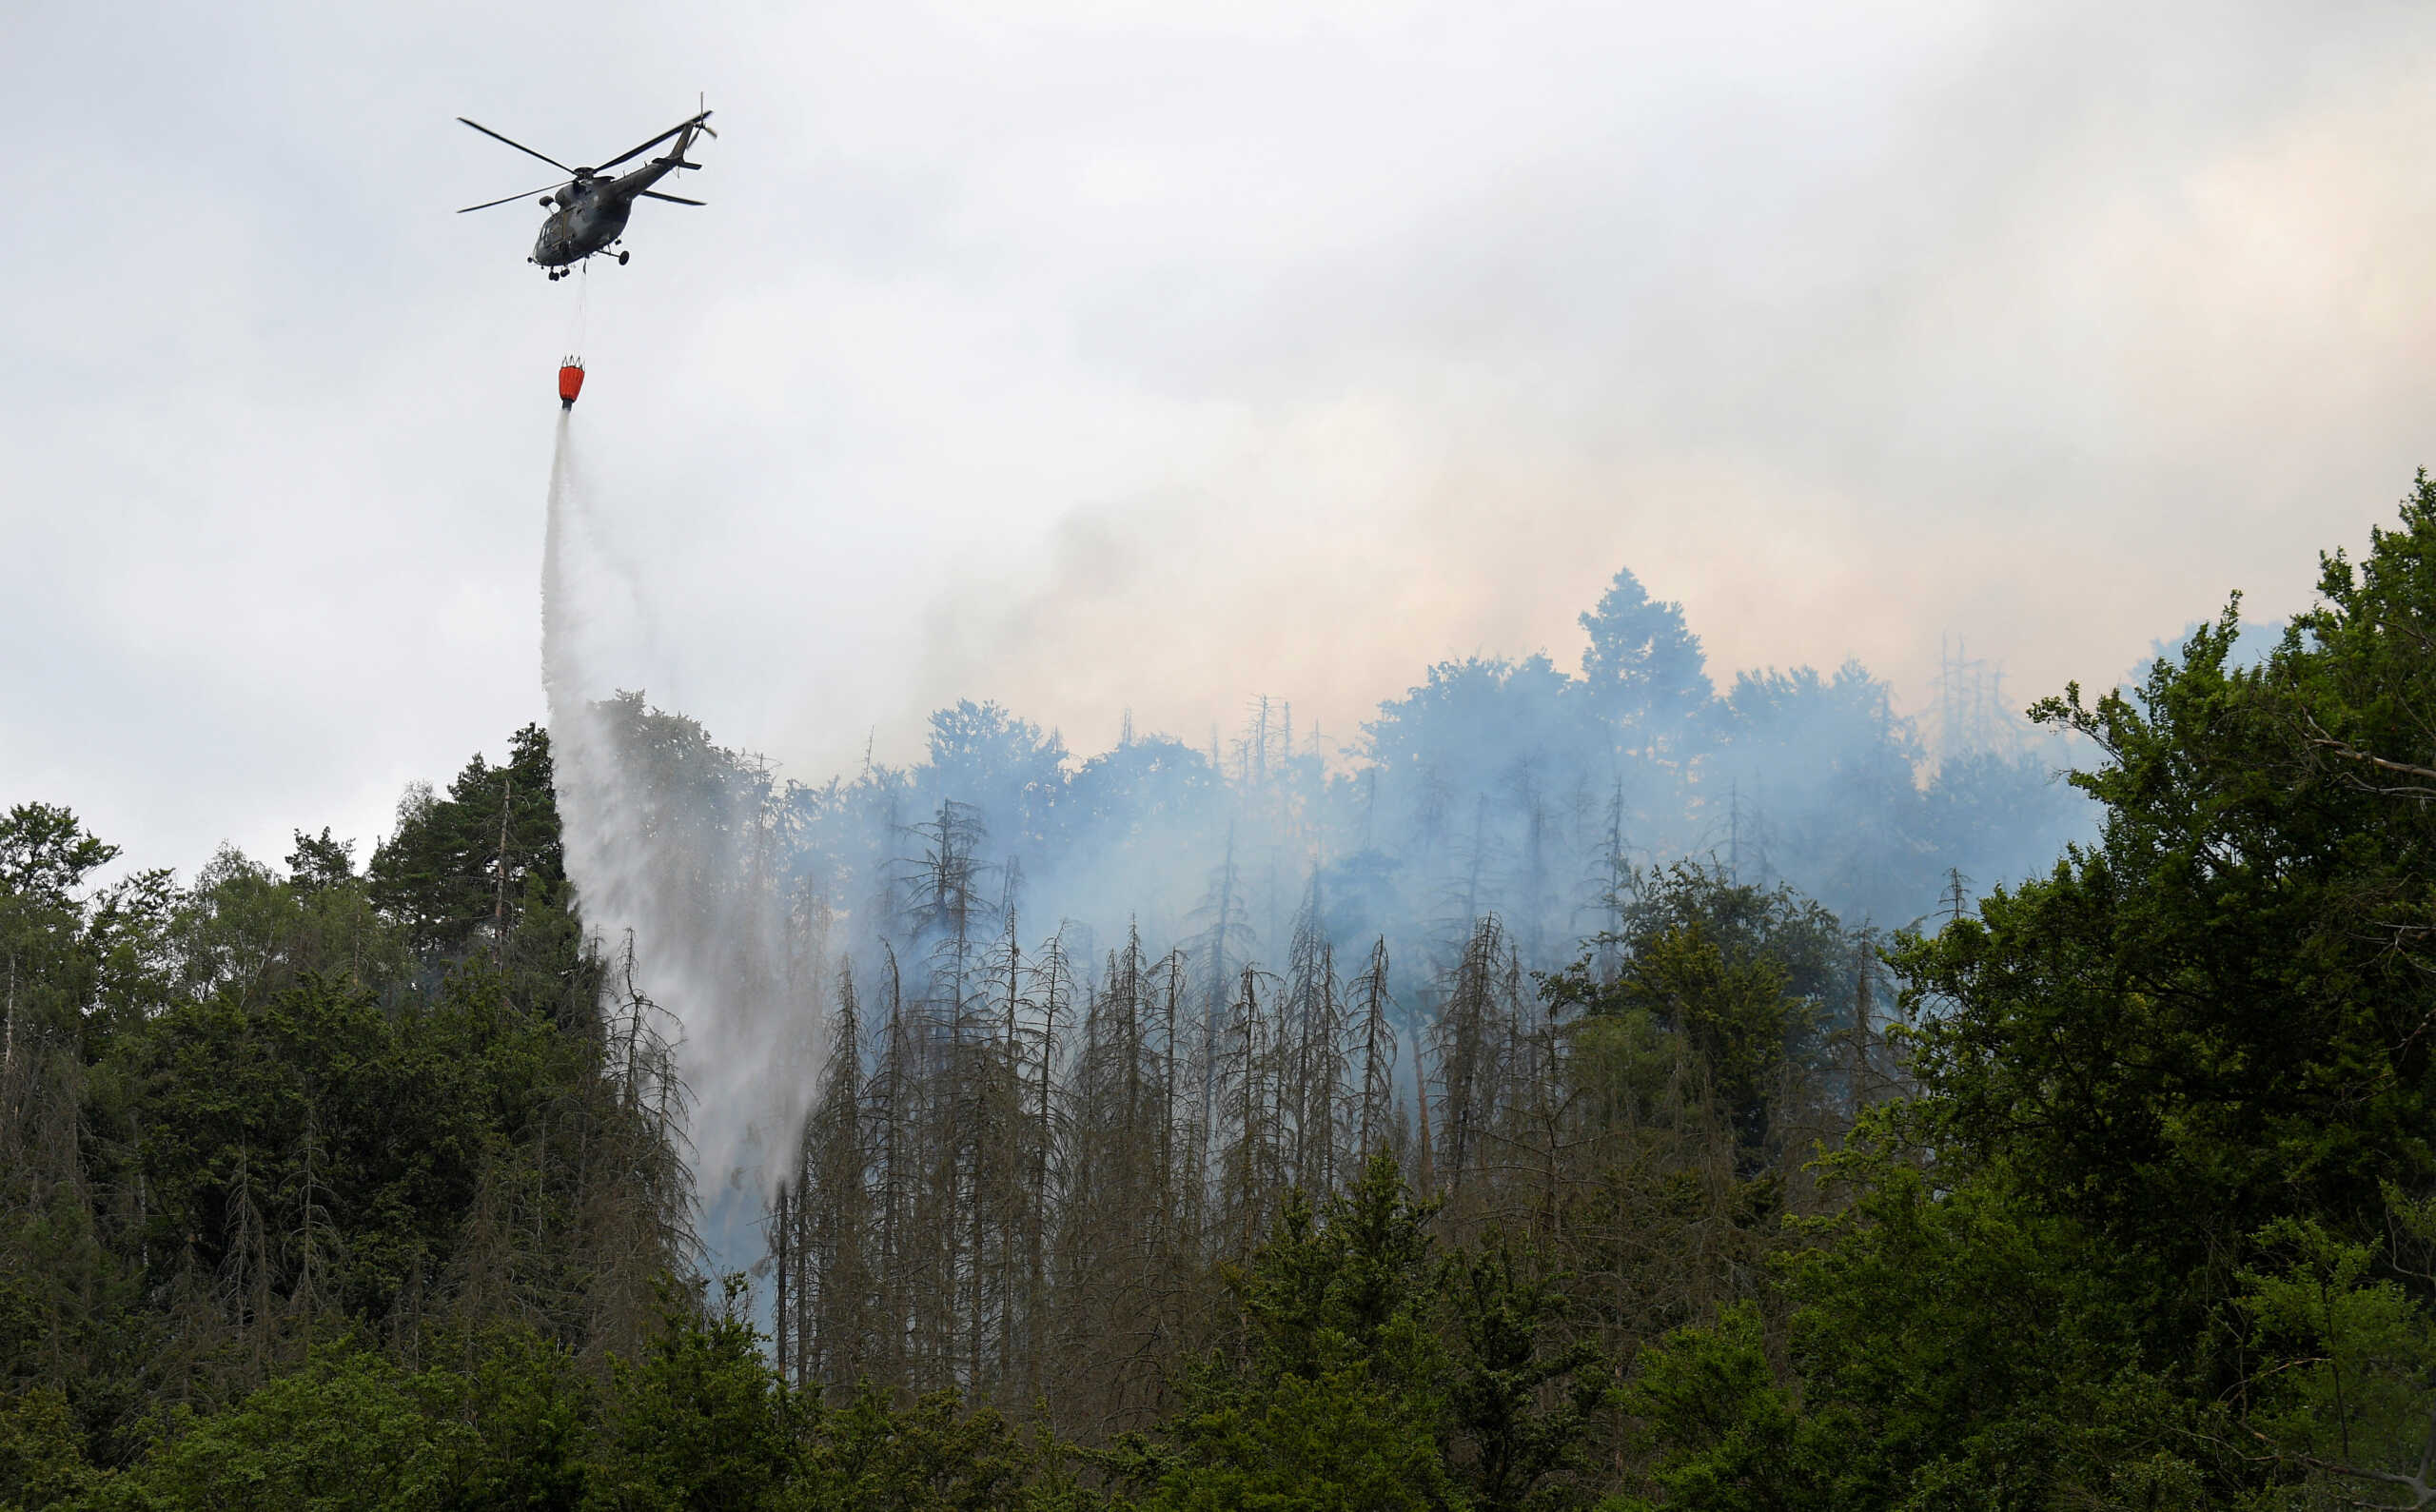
[1104, 355]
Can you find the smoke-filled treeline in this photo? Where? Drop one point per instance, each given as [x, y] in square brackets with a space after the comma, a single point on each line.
[1032, 1189]
[1494, 786]
[1499, 789]
[1005, 1053]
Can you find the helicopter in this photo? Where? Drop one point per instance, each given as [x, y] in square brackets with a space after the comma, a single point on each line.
[589, 210]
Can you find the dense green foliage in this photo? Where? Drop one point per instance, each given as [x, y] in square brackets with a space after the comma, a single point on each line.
[266, 1116]
[328, 1188]
[2153, 1231]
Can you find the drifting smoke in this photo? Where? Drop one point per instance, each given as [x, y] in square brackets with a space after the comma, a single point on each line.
[1513, 791]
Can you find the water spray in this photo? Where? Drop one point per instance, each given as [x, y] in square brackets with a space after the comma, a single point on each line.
[670, 875]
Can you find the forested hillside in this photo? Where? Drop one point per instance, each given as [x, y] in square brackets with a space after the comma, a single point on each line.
[1334, 1186]
[1499, 813]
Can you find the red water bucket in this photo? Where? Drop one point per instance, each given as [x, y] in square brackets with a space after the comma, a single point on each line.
[570, 382]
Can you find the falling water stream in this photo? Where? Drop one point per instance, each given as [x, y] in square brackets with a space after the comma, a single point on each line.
[673, 874]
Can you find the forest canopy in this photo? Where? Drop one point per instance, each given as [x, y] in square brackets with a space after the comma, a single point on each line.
[1482, 1162]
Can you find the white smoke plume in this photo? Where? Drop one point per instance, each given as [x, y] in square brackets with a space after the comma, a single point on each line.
[1509, 788]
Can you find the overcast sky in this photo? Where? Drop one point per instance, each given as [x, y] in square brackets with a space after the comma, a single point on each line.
[1101, 356]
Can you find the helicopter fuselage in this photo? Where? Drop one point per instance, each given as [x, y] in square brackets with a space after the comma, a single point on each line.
[588, 213]
[592, 212]
[576, 231]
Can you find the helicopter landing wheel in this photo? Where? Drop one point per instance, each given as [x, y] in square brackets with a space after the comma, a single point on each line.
[621, 258]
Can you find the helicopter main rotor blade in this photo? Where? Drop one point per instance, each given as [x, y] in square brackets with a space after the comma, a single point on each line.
[521, 147]
[672, 199]
[653, 143]
[487, 203]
